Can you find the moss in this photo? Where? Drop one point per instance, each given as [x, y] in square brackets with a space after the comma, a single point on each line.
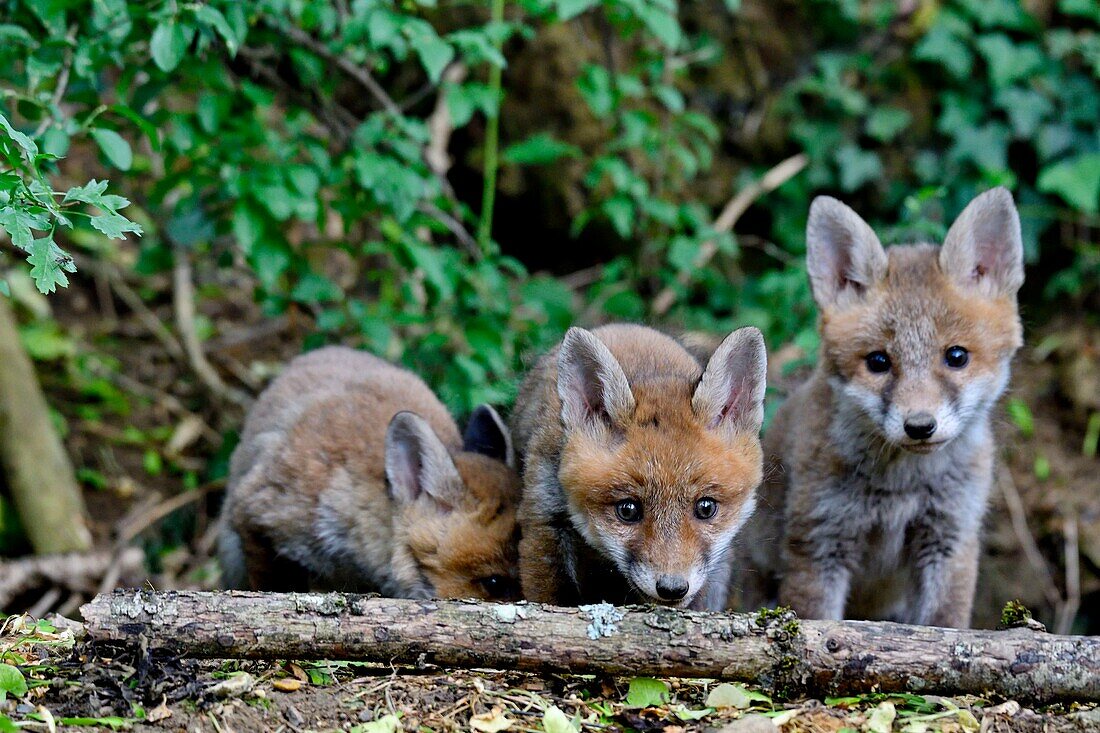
[767, 615]
[1015, 613]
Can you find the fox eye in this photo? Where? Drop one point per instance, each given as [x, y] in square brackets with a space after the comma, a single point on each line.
[956, 357]
[878, 362]
[499, 586]
[706, 508]
[629, 511]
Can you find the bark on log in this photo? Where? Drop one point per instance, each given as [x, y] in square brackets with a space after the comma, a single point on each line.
[38, 471]
[788, 656]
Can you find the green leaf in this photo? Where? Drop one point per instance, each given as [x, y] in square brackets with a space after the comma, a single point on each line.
[385, 724]
[49, 263]
[886, 123]
[114, 147]
[646, 692]
[539, 149]
[569, 9]
[662, 23]
[435, 54]
[857, 166]
[168, 45]
[1076, 180]
[213, 17]
[556, 721]
[1008, 62]
[20, 139]
[1021, 417]
[12, 682]
[684, 714]
[727, 695]
[18, 223]
[115, 225]
[943, 47]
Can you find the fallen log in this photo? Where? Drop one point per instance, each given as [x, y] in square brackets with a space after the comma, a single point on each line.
[788, 656]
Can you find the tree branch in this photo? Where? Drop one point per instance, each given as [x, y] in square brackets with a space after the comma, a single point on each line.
[774, 649]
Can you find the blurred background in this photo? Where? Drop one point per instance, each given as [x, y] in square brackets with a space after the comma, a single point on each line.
[451, 184]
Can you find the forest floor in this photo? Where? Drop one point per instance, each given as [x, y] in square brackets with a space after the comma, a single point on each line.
[67, 682]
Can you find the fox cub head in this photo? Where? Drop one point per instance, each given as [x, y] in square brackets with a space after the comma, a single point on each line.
[456, 512]
[917, 339]
[660, 472]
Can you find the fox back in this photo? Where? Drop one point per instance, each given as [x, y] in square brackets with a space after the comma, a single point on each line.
[639, 467]
[879, 466]
[351, 475]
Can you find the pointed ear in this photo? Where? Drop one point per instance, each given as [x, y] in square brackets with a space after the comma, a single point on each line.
[591, 384]
[486, 434]
[984, 248]
[418, 464]
[843, 255]
[730, 396]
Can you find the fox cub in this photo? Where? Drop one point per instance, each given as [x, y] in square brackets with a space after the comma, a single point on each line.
[351, 475]
[638, 467]
[880, 465]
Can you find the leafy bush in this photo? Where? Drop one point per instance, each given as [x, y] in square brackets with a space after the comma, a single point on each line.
[300, 140]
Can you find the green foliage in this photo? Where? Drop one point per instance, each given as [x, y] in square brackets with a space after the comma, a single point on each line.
[645, 692]
[293, 140]
[12, 682]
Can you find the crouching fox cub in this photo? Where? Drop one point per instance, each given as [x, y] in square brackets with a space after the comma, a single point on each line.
[351, 475]
[880, 465]
[638, 467]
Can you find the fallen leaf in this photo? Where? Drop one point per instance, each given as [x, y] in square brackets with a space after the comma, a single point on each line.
[160, 712]
[287, 684]
[299, 674]
[556, 721]
[646, 692]
[728, 695]
[234, 686]
[491, 722]
[882, 718]
[385, 724]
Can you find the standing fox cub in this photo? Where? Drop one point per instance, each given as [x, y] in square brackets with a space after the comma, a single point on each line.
[351, 475]
[881, 464]
[638, 468]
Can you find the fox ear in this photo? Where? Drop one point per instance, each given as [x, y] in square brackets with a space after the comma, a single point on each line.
[730, 395]
[486, 434]
[591, 384]
[843, 255]
[984, 248]
[418, 464]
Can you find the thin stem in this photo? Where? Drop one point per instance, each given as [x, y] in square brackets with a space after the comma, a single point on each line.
[492, 140]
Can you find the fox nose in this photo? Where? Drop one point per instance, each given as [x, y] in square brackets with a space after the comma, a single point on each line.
[920, 426]
[671, 588]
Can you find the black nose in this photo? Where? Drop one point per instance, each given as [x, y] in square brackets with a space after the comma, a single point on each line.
[920, 426]
[671, 588]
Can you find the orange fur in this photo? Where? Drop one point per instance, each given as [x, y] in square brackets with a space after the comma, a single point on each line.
[664, 454]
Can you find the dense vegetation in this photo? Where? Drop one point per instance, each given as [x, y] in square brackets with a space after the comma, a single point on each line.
[308, 143]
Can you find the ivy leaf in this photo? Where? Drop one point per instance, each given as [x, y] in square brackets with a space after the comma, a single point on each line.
[539, 149]
[168, 45]
[857, 166]
[886, 123]
[1076, 180]
[1008, 61]
[49, 263]
[114, 147]
[943, 47]
[646, 692]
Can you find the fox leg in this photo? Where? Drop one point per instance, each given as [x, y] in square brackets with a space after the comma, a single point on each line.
[812, 587]
[948, 599]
